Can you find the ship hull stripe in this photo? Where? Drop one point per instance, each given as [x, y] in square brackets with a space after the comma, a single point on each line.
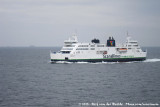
[102, 59]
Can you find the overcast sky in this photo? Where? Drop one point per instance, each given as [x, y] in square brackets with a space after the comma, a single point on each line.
[50, 22]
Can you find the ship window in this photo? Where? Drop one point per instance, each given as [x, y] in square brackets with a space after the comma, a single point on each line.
[83, 46]
[132, 42]
[73, 46]
[92, 48]
[67, 48]
[100, 45]
[135, 45]
[92, 45]
[65, 52]
[100, 52]
[82, 49]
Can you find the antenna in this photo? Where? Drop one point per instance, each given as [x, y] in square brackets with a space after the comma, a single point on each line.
[75, 36]
[127, 34]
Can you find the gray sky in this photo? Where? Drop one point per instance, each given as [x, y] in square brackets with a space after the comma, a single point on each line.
[50, 22]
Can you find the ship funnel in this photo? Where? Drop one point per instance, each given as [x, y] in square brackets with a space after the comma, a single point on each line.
[111, 42]
[95, 40]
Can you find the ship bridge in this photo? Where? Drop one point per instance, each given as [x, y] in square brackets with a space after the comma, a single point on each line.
[71, 40]
[69, 44]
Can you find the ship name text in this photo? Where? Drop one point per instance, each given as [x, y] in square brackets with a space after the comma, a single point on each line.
[111, 56]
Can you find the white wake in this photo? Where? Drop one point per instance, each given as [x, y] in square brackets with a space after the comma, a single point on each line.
[152, 60]
[147, 60]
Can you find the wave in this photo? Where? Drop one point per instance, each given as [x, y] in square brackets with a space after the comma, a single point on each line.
[60, 62]
[152, 60]
[147, 60]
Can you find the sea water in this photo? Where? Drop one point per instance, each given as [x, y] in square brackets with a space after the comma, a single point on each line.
[28, 79]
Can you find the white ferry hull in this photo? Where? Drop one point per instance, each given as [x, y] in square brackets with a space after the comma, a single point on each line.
[97, 58]
[72, 51]
[101, 60]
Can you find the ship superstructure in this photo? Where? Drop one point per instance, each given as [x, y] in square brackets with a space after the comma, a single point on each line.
[73, 51]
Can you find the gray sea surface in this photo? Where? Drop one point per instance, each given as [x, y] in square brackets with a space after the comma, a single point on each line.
[28, 79]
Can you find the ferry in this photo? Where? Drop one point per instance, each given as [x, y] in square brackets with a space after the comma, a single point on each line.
[74, 51]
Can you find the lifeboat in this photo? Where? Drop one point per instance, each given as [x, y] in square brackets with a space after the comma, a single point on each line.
[122, 49]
